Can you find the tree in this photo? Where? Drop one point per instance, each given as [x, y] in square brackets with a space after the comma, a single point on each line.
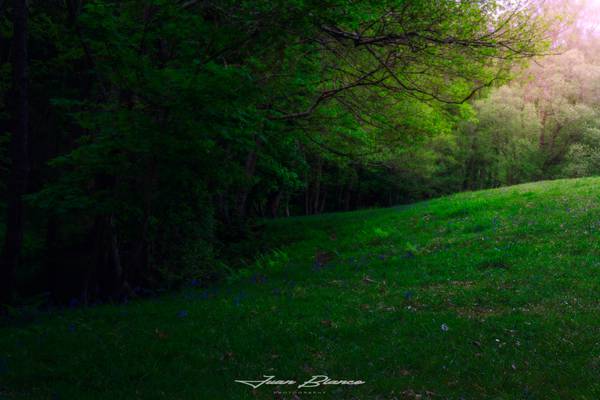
[17, 183]
[500, 147]
[162, 129]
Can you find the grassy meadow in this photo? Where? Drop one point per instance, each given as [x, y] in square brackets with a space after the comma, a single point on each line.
[480, 295]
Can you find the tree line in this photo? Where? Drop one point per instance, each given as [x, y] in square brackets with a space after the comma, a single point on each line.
[141, 140]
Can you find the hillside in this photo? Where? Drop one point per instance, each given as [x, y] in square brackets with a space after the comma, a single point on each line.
[490, 294]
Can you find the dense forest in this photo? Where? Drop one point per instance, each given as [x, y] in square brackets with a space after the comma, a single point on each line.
[142, 142]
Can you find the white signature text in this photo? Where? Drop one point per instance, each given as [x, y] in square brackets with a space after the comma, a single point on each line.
[315, 381]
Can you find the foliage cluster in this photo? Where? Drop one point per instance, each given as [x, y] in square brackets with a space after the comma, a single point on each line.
[160, 129]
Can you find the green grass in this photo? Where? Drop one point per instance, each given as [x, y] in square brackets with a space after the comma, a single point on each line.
[513, 273]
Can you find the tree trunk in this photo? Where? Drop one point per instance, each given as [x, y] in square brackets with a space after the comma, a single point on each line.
[107, 269]
[17, 182]
[348, 197]
[317, 188]
[116, 270]
[222, 205]
[249, 169]
[307, 195]
[542, 131]
[274, 201]
[323, 200]
[287, 205]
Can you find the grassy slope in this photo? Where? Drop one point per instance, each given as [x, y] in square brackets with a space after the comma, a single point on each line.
[513, 273]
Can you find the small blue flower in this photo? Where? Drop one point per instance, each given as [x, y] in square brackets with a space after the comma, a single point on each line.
[408, 295]
[317, 266]
[71, 328]
[73, 303]
[182, 314]
[238, 298]
[195, 282]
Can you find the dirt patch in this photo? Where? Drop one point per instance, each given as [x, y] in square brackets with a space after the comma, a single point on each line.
[494, 264]
[479, 312]
[449, 285]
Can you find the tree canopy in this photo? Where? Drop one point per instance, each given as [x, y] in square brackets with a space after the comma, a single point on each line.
[161, 130]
